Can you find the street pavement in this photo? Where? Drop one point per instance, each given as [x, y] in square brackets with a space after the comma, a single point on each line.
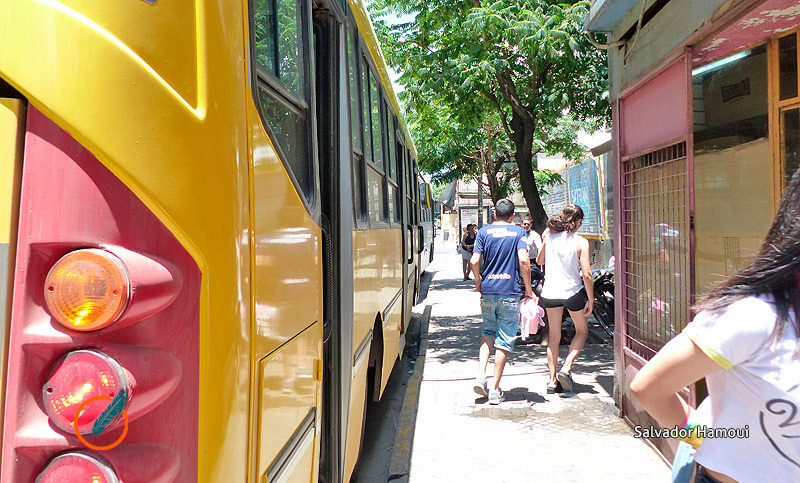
[532, 436]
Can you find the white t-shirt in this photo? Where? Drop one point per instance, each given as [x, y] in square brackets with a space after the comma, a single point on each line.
[534, 242]
[757, 393]
[562, 269]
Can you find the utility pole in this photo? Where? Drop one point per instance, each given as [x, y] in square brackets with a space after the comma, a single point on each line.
[480, 202]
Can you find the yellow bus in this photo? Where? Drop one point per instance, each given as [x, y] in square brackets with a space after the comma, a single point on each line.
[210, 238]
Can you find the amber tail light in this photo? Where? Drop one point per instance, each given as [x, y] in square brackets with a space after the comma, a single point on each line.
[90, 289]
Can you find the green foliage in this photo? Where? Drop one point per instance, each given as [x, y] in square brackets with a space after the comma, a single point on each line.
[452, 146]
[437, 189]
[525, 67]
[545, 177]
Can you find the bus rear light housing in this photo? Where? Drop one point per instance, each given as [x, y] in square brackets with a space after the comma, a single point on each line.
[70, 201]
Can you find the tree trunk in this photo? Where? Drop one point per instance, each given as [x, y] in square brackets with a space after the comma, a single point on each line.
[522, 130]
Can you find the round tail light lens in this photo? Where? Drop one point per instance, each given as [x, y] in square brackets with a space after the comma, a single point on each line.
[76, 377]
[75, 467]
[87, 289]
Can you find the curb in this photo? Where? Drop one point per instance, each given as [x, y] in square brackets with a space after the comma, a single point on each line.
[400, 465]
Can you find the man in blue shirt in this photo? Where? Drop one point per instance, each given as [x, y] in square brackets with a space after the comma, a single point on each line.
[504, 248]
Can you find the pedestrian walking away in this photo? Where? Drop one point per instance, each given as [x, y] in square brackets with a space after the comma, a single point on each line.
[534, 243]
[504, 250]
[746, 429]
[467, 244]
[567, 283]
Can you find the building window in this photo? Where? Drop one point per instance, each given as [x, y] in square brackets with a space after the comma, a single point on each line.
[731, 137]
[788, 106]
[787, 70]
[655, 248]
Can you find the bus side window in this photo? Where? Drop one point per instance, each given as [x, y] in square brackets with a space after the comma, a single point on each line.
[356, 128]
[394, 201]
[377, 144]
[376, 181]
[280, 28]
[375, 194]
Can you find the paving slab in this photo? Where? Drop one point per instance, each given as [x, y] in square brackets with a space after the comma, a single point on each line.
[532, 436]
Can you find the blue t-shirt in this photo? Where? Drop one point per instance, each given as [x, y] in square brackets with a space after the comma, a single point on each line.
[498, 244]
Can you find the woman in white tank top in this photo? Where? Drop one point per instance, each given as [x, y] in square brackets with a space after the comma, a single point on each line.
[567, 283]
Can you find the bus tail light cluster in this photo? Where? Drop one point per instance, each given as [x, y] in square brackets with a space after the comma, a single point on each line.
[104, 327]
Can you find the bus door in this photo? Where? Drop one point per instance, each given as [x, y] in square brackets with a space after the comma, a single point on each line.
[419, 230]
[412, 225]
[409, 271]
[333, 151]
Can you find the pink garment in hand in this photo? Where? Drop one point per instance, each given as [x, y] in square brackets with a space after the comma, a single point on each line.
[530, 317]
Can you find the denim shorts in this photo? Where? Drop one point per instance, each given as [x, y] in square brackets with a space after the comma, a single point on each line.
[500, 319]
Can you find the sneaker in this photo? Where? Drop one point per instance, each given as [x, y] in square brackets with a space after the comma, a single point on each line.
[480, 387]
[565, 379]
[496, 397]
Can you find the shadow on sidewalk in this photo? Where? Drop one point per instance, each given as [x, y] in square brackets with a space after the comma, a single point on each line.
[458, 339]
[424, 286]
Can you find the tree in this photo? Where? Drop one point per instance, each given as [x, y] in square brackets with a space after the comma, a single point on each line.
[453, 146]
[528, 60]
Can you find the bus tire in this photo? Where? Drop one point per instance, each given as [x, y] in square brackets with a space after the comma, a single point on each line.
[375, 368]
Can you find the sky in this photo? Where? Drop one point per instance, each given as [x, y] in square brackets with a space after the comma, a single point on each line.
[392, 19]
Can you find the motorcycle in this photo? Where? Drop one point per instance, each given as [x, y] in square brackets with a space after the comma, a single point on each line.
[604, 299]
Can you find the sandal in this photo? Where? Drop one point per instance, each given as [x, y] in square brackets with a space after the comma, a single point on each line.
[555, 389]
[565, 380]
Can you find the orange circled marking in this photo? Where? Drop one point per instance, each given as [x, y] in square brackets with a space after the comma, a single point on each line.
[90, 445]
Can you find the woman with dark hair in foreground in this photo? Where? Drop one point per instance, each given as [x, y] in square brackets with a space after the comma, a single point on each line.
[744, 341]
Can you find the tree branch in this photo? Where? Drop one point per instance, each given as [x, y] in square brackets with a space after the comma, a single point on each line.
[509, 91]
[413, 41]
[493, 99]
[511, 175]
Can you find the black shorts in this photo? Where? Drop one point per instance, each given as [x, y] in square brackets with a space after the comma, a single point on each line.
[575, 303]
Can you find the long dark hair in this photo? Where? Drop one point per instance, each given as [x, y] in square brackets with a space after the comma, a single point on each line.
[774, 270]
[567, 220]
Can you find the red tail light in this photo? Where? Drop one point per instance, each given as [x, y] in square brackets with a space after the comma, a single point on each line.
[76, 467]
[77, 377]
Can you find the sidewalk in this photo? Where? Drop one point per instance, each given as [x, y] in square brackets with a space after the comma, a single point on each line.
[532, 436]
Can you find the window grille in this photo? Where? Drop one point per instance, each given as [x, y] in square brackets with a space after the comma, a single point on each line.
[655, 248]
